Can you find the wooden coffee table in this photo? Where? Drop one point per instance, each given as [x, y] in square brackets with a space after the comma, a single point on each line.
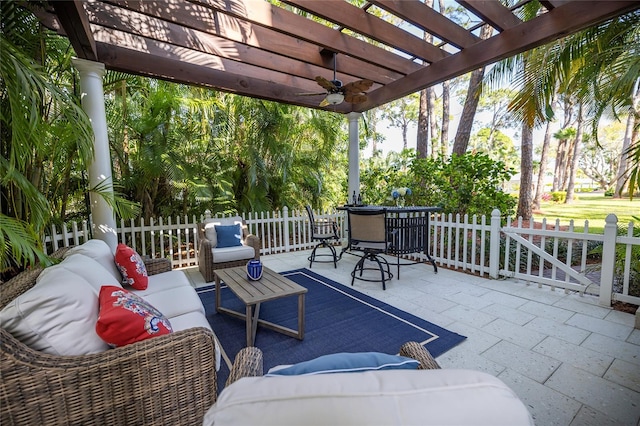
[252, 293]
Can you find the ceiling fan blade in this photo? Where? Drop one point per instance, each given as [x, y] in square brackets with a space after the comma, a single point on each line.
[355, 98]
[323, 82]
[358, 86]
[311, 94]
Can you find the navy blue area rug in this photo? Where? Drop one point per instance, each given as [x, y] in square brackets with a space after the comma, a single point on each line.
[337, 319]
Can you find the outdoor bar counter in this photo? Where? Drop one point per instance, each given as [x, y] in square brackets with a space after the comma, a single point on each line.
[408, 227]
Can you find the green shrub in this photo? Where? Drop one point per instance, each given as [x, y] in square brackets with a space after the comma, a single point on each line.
[465, 184]
[559, 196]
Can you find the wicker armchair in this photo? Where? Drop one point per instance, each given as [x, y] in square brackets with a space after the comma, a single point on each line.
[167, 380]
[206, 264]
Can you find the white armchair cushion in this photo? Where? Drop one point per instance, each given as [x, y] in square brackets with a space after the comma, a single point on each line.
[392, 397]
[231, 254]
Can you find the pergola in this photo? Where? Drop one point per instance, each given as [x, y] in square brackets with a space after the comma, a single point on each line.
[263, 50]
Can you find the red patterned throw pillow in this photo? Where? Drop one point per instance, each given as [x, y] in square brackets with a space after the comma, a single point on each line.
[131, 267]
[127, 318]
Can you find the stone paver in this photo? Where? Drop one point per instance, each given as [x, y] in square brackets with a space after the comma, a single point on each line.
[533, 365]
[597, 325]
[618, 402]
[523, 334]
[549, 327]
[577, 356]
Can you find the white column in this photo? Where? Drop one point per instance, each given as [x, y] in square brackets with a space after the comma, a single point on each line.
[354, 155]
[103, 218]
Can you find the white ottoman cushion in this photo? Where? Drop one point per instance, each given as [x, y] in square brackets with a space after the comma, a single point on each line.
[393, 397]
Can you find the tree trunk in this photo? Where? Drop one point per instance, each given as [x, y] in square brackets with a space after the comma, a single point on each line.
[525, 206]
[463, 134]
[543, 166]
[422, 141]
[574, 159]
[622, 176]
[444, 134]
[433, 124]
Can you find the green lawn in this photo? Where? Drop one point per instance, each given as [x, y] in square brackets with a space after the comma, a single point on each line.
[593, 207]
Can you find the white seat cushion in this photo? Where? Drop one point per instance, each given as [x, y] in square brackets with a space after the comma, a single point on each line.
[395, 397]
[230, 254]
[174, 301]
[164, 281]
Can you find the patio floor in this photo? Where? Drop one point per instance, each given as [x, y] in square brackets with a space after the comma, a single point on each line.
[571, 361]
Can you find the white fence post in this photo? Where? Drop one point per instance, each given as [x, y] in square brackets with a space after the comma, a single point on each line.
[494, 245]
[608, 259]
[285, 219]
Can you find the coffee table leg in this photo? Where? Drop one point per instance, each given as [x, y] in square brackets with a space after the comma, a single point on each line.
[301, 316]
[217, 279]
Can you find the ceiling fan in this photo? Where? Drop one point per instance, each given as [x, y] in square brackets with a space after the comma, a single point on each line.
[337, 93]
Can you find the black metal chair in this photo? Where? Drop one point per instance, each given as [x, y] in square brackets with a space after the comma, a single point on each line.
[326, 233]
[368, 233]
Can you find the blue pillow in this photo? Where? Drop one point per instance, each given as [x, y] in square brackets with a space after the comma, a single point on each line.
[229, 236]
[347, 363]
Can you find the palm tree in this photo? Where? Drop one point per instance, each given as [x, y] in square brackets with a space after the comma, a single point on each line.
[43, 132]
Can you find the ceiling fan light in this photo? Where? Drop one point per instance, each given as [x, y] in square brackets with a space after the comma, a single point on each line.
[335, 98]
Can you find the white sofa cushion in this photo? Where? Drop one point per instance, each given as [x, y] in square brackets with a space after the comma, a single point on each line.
[174, 301]
[165, 281]
[393, 397]
[230, 254]
[89, 269]
[210, 227]
[57, 315]
[100, 251]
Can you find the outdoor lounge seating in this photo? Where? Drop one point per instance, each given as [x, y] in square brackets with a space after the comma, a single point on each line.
[55, 369]
[368, 233]
[214, 253]
[326, 233]
[427, 395]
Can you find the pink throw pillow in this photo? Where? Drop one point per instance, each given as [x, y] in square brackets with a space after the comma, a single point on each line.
[131, 267]
[127, 318]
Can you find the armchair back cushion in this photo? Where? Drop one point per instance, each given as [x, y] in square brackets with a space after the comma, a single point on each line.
[210, 227]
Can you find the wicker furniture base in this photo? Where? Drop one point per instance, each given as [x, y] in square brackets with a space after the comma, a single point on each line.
[167, 380]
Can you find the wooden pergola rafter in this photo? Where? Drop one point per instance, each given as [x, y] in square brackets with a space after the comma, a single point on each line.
[258, 49]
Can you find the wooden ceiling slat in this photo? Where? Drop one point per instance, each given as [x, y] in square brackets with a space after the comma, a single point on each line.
[492, 12]
[73, 18]
[167, 32]
[154, 49]
[424, 17]
[180, 71]
[234, 29]
[358, 20]
[561, 21]
[265, 14]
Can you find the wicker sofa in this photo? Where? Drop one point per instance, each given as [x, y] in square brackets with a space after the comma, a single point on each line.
[170, 379]
[211, 256]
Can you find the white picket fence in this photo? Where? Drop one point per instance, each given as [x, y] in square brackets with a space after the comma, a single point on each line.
[544, 254]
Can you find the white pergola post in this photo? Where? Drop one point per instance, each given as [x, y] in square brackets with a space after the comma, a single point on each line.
[354, 156]
[103, 218]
